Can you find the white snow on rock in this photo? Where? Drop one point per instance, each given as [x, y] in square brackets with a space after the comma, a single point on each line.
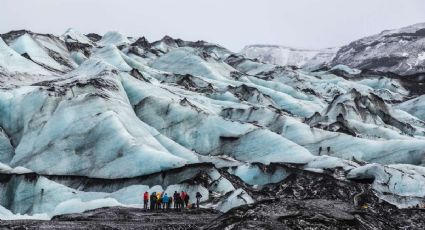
[421, 56]
[398, 51]
[71, 35]
[279, 55]
[322, 59]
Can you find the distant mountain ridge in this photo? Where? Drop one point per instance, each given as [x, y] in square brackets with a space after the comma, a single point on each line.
[401, 51]
[279, 55]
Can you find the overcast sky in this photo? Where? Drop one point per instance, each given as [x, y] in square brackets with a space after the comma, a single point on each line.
[231, 23]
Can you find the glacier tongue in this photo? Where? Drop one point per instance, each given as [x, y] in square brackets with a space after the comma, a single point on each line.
[89, 121]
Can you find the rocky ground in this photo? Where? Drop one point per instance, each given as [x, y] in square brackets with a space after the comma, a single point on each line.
[304, 200]
[315, 214]
[120, 218]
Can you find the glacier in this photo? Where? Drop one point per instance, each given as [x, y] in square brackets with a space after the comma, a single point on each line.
[94, 121]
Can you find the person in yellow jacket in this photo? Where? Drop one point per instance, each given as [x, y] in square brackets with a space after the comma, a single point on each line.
[158, 200]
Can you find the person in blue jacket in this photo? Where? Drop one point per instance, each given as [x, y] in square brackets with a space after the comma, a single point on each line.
[165, 201]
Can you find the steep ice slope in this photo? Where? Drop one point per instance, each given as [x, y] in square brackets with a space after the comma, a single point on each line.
[111, 54]
[399, 51]
[339, 144]
[197, 127]
[83, 127]
[13, 63]
[35, 51]
[279, 55]
[415, 106]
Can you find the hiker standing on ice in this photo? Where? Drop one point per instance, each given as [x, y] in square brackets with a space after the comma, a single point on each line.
[198, 199]
[165, 202]
[153, 201]
[170, 202]
[158, 200]
[186, 200]
[175, 199]
[183, 196]
[179, 202]
[145, 200]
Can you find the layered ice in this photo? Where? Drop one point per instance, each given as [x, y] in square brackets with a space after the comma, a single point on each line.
[12, 62]
[87, 124]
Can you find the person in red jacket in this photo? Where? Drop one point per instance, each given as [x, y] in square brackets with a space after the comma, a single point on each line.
[183, 196]
[145, 200]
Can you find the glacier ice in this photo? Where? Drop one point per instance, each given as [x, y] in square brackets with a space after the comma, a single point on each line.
[113, 38]
[256, 175]
[13, 62]
[414, 106]
[88, 123]
[401, 185]
[25, 44]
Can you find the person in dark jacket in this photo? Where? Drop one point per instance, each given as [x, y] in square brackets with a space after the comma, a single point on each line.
[175, 199]
[198, 199]
[170, 202]
[153, 200]
[179, 202]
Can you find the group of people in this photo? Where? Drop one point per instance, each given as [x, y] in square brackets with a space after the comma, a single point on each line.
[161, 200]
